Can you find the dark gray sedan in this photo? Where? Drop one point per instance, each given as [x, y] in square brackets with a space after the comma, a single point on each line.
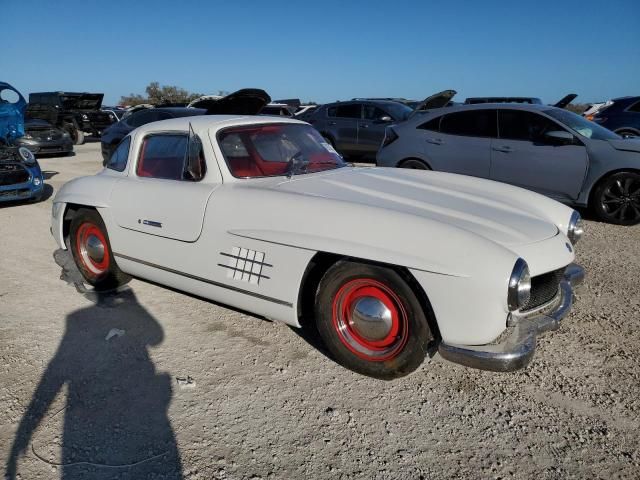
[545, 149]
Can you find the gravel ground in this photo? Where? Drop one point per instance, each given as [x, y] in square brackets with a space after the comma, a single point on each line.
[185, 388]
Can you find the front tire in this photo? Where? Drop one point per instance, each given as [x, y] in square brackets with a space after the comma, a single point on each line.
[92, 252]
[617, 199]
[371, 321]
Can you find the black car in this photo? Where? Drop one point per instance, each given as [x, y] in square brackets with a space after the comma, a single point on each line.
[112, 136]
[76, 113]
[42, 138]
[622, 116]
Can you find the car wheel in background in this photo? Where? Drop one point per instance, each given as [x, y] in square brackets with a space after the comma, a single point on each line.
[616, 199]
[77, 135]
[627, 133]
[371, 321]
[414, 164]
[92, 252]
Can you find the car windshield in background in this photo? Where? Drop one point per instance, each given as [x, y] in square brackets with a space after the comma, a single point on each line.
[275, 150]
[581, 125]
[399, 111]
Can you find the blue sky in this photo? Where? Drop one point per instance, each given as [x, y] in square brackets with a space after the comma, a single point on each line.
[327, 50]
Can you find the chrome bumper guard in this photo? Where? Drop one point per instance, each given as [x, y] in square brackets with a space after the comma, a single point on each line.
[517, 350]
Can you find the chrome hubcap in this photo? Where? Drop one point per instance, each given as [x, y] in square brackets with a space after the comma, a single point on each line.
[94, 248]
[371, 319]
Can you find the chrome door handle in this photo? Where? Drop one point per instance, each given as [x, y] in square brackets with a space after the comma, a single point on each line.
[435, 141]
[332, 123]
[364, 125]
[503, 149]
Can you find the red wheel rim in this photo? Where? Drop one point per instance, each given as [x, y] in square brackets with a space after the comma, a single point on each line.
[92, 250]
[370, 319]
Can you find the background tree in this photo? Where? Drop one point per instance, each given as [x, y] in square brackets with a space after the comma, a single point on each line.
[160, 94]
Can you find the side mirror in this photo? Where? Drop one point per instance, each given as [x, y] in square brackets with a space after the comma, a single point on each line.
[559, 137]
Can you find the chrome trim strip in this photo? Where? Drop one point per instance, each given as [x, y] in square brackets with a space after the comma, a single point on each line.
[518, 349]
[205, 280]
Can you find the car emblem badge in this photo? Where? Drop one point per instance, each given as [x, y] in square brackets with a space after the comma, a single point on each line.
[568, 247]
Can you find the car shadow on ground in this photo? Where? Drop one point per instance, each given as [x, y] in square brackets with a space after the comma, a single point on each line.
[115, 422]
[47, 174]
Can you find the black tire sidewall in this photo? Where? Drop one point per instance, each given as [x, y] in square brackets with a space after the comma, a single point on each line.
[114, 277]
[596, 203]
[405, 163]
[415, 349]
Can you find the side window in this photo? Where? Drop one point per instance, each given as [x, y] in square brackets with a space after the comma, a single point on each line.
[331, 111]
[634, 108]
[433, 125]
[118, 159]
[351, 110]
[523, 125]
[371, 112]
[472, 123]
[142, 118]
[163, 156]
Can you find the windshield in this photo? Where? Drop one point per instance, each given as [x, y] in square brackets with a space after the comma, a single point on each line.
[399, 111]
[276, 149]
[581, 125]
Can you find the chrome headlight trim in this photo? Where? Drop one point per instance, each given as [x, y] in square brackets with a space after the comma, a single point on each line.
[519, 291]
[575, 228]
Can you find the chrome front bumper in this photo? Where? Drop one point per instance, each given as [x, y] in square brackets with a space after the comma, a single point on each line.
[517, 350]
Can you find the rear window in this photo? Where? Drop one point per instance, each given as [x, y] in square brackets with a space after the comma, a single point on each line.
[473, 123]
[635, 107]
[274, 149]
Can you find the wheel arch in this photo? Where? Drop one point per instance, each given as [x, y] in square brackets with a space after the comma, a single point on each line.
[422, 160]
[320, 264]
[70, 211]
[627, 129]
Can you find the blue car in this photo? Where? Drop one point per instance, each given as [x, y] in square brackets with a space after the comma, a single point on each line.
[621, 115]
[20, 174]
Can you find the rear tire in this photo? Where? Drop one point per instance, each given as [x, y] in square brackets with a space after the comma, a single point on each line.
[77, 135]
[92, 252]
[371, 321]
[414, 164]
[616, 199]
[629, 133]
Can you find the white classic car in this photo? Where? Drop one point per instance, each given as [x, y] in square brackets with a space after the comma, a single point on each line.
[389, 264]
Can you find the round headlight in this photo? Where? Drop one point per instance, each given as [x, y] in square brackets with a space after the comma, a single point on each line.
[26, 155]
[576, 228]
[519, 286]
[85, 117]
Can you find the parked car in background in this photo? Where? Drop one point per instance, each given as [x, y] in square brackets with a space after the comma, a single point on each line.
[42, 138]
[234, 209]
[112, 136]
[20, 174]
[622, 115]
[76, 113]
[356, 128]
[546, 149]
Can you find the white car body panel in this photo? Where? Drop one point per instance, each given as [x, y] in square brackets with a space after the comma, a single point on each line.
[458, 236]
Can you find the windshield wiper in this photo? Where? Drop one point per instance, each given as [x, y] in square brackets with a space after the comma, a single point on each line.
[296, 164]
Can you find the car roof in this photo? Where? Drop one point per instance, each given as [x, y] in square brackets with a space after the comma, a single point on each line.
[485, 106]
[204, 122]
[377, 102]
[185, 110]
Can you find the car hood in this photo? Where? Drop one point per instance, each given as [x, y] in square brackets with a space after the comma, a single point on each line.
[12, 116]
[626, 144]
[500, 213]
